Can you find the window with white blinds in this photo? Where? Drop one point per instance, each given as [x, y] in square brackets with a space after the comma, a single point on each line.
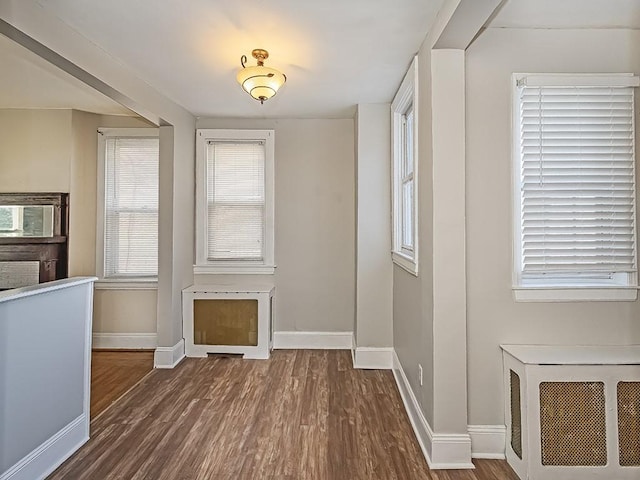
[235, 200]
[130, 204]
[234, 226]
[576, 163]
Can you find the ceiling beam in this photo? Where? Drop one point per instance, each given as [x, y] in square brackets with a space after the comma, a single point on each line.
[74, 70]
[466, 22]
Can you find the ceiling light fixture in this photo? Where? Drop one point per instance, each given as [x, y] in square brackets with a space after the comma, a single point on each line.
[260, 82]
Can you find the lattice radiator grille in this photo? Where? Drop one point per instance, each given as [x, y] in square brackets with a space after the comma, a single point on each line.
[629, 423]
[516, 415]
[573, 424]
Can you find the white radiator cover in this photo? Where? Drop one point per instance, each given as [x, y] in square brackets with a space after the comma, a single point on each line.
[264, 294]
[569, 400]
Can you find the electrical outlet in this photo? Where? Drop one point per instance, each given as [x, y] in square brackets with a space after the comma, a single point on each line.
[420, 374]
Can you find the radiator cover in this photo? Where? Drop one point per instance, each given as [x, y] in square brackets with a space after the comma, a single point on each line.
[225, 332]
[572, 412]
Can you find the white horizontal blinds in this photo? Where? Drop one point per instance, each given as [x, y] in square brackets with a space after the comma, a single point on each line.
[131, 206]
[236, 200]
[577, 180]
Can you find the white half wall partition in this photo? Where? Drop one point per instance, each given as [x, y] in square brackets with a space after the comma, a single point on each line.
[45, 371]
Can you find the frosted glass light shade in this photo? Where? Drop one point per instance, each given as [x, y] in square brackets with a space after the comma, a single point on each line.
[261, 82]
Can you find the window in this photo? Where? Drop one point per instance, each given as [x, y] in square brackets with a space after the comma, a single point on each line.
[575, 187]
[405, 169]
[128, 204]
[11, 221]
[234, 205]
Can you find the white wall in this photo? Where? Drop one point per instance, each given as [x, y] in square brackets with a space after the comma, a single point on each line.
[493, 316]
[314, 222]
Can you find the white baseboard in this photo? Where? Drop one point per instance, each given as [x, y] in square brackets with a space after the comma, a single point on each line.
[50, 455]
[130, 341]
[442, 451]
[488, 441]
[313, 340]
[169, 357]
[374, 358]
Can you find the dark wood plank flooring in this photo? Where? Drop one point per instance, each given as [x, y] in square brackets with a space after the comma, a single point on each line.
[113, 372]
[302, 415]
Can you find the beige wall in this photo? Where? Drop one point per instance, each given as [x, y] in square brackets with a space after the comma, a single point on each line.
[56, 151]
[35, 150]
[493, 316]
[314, 222]
[124, 311]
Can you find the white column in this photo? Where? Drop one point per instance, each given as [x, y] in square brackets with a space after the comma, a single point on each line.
[449, 287]
[374, 270]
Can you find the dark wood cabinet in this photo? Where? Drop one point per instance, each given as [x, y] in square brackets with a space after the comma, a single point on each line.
[33, 228]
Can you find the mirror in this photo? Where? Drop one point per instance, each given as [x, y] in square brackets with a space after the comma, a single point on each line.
[26, 220]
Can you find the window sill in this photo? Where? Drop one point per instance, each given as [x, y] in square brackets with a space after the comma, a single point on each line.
[406, 263]
[575, 294]
[234, 269]
[127, 284]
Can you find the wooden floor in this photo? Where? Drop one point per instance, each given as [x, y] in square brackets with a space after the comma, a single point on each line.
[302, 415]
[115, 372]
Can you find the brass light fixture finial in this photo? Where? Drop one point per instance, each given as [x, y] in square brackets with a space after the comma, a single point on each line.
[260, 82]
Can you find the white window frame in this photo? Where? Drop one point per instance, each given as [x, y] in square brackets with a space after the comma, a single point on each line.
[128, 282]
[405, 100]
[203, 264]
[620, 287]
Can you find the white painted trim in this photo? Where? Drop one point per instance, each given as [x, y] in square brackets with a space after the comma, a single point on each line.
[234, 269]
[488, 441]
[313, 340]
[405, 98]
[169, 357]
[40, 288]
[579, 80]
[575, 294]
[103, 135]
[374, 358]
[405, 263]
[112, 284]
[266, 265]
[134, 341]
[52, 453]
[442, 451]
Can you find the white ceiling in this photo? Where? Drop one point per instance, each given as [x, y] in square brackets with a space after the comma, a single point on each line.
[28, 81]
[335, 53]
[569, 14]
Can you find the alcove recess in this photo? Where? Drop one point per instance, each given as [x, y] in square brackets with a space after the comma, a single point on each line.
[33, 238]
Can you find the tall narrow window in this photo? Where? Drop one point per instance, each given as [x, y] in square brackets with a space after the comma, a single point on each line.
[128, 191]
[407, 182]
[575, 151]
[235, 201]
[405, 166]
